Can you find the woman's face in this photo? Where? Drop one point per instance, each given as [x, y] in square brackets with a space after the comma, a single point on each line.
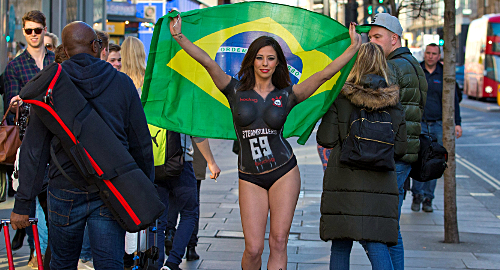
[265, 62]
[48, 43]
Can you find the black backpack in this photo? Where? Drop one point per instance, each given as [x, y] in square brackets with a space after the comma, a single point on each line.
[370, 142]
[432, 159]
[174, 158]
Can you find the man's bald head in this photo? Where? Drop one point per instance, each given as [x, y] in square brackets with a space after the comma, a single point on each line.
[78, 37]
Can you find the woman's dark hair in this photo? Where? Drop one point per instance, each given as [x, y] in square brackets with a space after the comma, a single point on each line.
[60, 54]
[281, 77]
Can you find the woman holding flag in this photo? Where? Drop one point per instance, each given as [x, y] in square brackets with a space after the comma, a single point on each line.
[269, 178]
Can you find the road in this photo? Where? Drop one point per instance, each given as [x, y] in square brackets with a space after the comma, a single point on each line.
[478, 152]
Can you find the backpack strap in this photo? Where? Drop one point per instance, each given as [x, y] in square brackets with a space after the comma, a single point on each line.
[420, 90]
[55, 161]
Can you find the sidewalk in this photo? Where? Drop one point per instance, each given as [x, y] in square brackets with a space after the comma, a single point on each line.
[221, 242]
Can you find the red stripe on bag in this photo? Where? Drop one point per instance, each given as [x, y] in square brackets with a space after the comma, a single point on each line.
[54, 114]
[54, 80]
[110, 185]
[123, 202]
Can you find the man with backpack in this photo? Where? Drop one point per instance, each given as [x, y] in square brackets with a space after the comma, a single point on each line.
[406, 72]
[177, 188]
[423, 193]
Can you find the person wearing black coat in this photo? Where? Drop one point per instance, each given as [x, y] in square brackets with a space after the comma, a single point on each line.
[360, 204]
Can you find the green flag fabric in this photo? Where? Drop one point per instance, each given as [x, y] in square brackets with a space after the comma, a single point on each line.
[179, 95]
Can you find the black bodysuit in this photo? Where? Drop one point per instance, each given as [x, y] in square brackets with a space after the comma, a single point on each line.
[264, 155]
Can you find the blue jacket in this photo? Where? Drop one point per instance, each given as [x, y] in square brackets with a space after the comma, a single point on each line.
[114, 97]
[433, 110]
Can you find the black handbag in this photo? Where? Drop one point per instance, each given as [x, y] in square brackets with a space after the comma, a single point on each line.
[432, 160]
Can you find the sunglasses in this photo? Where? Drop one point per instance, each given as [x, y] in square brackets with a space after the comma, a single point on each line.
[98, 41]
[49, 46]
[28, 31]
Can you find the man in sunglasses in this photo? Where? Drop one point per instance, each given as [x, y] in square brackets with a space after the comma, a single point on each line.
[24, 67]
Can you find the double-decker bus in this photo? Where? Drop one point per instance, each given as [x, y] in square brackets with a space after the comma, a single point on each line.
[482, 58]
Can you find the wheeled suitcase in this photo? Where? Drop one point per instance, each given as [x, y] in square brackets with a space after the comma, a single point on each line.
[147, 260]
[5, 226]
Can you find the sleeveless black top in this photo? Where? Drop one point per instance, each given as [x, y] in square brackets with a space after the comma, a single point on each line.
[259, 127]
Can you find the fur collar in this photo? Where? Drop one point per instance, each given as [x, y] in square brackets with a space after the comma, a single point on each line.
[370, 98]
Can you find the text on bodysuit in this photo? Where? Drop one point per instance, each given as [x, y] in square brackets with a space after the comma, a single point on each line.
[259, 131]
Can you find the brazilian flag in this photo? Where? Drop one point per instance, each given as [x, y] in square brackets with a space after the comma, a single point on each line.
[179, 95]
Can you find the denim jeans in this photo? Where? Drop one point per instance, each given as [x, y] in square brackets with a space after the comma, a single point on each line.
[180, 194]
[43, 232]
[69, 212]
[427, 189]
[397, 252]
[86, 253]
[174, 213]
[29, 230]
[378, 254]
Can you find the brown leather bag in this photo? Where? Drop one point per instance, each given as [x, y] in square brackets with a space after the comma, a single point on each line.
[9, 138]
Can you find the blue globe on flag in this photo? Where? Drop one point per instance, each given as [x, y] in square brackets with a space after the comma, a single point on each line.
[231, 53]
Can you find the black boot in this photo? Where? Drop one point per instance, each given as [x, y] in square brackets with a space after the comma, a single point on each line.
[191, 254]
[18, 240]
[169, 240]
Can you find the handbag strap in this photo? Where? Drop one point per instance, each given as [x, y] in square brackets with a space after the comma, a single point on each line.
[8, 110]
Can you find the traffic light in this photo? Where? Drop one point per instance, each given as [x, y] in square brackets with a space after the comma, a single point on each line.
[382, 6]
[368, 11]
[7, 38]
[440, 32]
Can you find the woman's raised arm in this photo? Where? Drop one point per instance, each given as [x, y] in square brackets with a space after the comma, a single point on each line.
[311, 84]
[220, 78]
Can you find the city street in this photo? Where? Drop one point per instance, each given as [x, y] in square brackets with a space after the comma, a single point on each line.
[221, 242]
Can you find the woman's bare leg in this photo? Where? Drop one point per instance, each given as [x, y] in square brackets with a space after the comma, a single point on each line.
[254, 207]
[283, 196]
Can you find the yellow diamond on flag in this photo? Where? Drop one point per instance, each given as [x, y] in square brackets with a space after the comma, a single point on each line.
[313, 61]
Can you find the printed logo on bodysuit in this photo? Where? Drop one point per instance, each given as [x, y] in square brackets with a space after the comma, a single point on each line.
[254, 100]
[277, 101]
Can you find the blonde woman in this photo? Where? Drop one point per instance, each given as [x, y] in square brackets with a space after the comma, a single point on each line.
[134, 61]
[360, 204]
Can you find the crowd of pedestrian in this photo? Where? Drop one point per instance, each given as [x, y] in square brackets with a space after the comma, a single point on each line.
[385, 79]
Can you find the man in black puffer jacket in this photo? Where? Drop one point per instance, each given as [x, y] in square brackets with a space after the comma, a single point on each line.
[114, 97]
[386, 31]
